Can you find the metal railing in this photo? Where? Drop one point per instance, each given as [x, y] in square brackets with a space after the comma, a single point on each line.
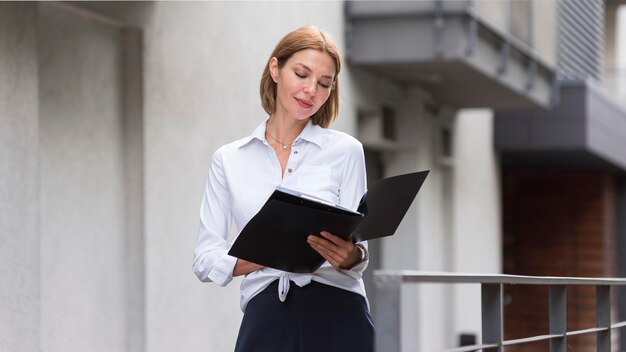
[388, 308]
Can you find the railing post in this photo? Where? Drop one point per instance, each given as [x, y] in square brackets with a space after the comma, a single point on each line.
[492, 321]
[603, 318]
[558, 317]
[387, 313]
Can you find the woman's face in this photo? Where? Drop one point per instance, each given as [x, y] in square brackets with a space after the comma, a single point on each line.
[304, 83]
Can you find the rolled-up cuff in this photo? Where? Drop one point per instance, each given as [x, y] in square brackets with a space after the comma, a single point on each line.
[222, 271]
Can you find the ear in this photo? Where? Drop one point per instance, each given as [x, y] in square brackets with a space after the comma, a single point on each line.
[273, 67]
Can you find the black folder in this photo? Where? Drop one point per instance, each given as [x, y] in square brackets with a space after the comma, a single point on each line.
[277, 235]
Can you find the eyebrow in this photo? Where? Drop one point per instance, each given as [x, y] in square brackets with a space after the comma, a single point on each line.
[309, 69]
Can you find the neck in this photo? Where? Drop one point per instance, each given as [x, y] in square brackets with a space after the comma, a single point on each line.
[285, 130]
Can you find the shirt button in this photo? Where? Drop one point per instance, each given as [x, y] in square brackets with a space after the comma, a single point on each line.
[295, 152]
[289, 170]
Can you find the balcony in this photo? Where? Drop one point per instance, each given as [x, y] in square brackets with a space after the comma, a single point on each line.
[587, 129]
[446, 47]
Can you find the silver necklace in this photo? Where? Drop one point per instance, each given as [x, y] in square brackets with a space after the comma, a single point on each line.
[285, 146]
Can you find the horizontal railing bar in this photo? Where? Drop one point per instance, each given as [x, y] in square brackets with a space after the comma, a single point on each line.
[530, 339]
[472, 348]
[412, 276]
[586, 331]
[621, 324]
[535, 338]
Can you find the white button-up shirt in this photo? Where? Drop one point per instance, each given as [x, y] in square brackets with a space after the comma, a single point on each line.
[324, 163]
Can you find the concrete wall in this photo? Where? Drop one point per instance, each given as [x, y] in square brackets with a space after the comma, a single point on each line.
[545, 29]
[202, 68]
[115, 274]
[82, 183]
[19, 208]
[494, 13]
[421, 242]
[543, 21]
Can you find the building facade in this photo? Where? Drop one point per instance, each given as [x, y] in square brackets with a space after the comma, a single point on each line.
[110, 112]
[563, 175]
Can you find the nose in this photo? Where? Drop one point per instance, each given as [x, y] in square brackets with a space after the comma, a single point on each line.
[310, 88]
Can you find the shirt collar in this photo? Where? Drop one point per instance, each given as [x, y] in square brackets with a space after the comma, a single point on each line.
[311, 133]
[258, 133]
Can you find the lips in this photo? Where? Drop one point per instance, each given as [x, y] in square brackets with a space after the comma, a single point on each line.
[303, 103]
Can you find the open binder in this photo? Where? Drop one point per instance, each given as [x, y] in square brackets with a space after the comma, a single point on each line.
[276, 235]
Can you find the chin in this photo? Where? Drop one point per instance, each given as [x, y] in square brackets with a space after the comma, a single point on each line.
[302, 116]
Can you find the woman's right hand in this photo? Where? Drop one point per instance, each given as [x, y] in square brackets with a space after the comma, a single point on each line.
[243, 267]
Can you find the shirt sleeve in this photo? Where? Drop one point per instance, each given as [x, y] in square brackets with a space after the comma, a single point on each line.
[353, 187]
[211, 260]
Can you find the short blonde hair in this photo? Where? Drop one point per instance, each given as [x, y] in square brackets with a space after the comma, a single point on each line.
[307, 37]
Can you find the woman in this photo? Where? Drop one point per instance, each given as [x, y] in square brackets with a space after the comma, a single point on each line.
[326, 310]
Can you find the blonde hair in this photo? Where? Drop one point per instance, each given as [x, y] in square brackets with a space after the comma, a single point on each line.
[307, 37]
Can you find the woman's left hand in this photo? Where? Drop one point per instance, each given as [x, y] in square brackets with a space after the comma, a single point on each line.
[340, 253]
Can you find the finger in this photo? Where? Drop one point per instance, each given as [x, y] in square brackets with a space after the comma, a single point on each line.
[333, 238]
[321, 242]
[332, 261]
[327, 257]
[337, 258]
[342, 247]
[328, 254]
[323, 246]
[338, 253]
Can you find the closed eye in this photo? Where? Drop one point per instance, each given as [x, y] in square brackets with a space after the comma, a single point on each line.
[321, 84]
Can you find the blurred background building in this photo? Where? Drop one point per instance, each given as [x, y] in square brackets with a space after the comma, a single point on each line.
[110, 112]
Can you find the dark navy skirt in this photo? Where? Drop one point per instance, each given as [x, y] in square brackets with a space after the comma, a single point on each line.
[313, 318]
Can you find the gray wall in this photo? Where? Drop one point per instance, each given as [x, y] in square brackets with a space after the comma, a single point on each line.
[19, 208]
[69, 161]
[109, 119]
[82, 211]
[203, 61]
